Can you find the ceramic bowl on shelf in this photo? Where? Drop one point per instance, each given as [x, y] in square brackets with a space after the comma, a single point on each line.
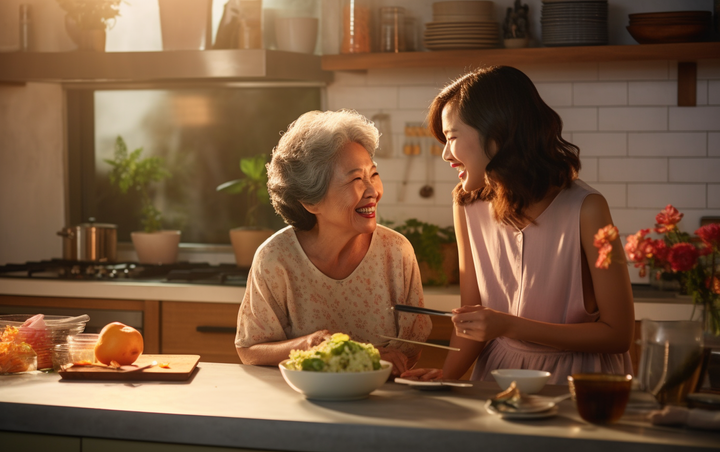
[526, 380]
[659, 34]
[669, 27]
[335, 385]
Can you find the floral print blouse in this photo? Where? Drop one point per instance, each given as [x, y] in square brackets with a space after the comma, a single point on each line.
[288, 297]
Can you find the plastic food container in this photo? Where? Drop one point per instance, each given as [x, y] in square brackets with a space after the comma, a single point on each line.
[81, 347]
[57, 329]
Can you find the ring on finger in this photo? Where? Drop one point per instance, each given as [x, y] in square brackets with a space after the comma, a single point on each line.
[464, 331]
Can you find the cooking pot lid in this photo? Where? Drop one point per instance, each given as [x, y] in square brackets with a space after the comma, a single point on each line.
[97, 225]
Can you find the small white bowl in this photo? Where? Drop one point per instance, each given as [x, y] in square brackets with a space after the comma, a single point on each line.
[336, 385]
[526, 380]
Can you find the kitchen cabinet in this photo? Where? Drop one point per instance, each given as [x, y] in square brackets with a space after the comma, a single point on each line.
[111, 309]
[205, 329]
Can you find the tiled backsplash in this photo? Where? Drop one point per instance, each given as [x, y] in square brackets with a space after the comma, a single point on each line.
[637, 147]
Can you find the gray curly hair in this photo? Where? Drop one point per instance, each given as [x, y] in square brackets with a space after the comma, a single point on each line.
[303, 161]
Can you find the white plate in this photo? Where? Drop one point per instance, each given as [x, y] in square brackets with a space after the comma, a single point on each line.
[542, 415]
[541, 404]
[433, 384]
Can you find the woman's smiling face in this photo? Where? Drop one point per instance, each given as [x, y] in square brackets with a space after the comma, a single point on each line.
[354, 192]
[463, 149]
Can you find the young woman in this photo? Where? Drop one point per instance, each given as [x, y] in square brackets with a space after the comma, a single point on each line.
[531, 296]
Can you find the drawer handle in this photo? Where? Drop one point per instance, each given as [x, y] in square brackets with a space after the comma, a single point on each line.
[215, 329]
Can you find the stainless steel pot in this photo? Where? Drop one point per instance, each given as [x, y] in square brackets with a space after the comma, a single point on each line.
[90, 242]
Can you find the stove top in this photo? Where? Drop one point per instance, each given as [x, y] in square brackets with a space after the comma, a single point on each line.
[180, 272]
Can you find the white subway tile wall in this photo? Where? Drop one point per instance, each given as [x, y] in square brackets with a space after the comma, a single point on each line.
[638, 148]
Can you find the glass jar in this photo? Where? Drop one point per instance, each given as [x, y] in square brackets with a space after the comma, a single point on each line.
[81, 347]
[356, 26]
[410, 35]
[392, 29]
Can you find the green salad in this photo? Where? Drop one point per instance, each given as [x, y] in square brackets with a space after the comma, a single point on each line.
[337, 354]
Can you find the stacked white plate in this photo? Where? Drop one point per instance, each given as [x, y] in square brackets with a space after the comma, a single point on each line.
[461, 25]
[574, 22]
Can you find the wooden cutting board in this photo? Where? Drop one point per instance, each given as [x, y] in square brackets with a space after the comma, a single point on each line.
[180, 368]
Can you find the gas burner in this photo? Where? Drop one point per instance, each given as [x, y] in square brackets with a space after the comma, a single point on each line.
[181, 272]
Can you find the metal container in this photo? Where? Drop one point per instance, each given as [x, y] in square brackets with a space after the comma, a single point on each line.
[90, 242]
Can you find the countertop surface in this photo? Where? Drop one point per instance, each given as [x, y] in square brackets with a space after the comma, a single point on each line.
[246, 406]
[651, 304]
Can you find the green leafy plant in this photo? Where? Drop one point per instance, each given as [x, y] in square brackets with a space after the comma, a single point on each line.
[254, 185]
[130, 172]
[89, 14]
[428, 239]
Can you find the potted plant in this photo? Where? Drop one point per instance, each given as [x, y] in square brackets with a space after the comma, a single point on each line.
[86, 21]
[246, 239]
[131, 173]
[435, 249]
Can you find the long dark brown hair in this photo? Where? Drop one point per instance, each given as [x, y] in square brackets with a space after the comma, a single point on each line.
[502, 104]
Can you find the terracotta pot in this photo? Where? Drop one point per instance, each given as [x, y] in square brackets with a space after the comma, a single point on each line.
[245, 242]
[185, 24]
[159, 247]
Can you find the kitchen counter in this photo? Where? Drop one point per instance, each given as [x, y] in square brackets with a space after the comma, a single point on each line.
[651, 304]
[233, 405]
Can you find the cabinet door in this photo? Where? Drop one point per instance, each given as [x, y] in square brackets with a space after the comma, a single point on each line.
[205, 329]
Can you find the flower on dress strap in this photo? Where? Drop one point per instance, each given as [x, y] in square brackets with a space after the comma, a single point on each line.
[603, 239]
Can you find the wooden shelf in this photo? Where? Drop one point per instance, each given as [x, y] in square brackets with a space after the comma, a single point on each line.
[166, 68]
[684, 52]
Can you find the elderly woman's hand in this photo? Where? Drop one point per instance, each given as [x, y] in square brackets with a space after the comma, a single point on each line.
[397, 358]
[316, 338]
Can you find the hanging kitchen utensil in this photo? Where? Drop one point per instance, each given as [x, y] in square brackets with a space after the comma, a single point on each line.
[385, 148]
[411, 148]
[427, 190]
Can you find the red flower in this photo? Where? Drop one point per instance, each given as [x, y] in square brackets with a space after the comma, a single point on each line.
[668, 218]
[658, 250]
[714, 286]
[605, 235]
[683, 257]
[709, 234]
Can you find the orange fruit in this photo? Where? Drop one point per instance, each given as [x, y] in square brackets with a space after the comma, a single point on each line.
[120, 343]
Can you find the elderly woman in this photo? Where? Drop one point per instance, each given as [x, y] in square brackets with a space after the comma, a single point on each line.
[333, 269]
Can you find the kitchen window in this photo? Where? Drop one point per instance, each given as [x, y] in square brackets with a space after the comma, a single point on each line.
[201, 132]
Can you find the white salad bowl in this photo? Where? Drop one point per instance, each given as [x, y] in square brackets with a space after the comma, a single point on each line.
[336, 385]
[526, 380]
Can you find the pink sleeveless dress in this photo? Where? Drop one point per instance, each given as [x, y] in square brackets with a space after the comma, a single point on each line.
[536, 273]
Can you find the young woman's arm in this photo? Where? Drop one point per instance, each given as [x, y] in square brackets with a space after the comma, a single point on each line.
[611, 333]
[457, 363]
